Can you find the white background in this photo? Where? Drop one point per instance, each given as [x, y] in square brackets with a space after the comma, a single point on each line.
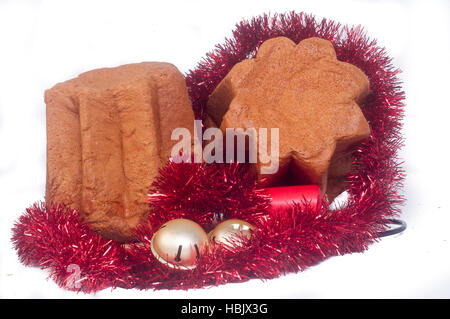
[45, 42]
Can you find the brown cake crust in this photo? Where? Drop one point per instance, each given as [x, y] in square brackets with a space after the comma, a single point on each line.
[108, 133]
[310, 96]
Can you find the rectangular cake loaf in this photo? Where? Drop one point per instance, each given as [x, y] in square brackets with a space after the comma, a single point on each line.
[108, 133]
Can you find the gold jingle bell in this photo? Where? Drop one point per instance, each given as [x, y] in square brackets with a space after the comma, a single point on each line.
[179, 243]
[231, 232]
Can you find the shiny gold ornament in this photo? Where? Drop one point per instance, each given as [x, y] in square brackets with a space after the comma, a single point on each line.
[179, 243]
[231, 232]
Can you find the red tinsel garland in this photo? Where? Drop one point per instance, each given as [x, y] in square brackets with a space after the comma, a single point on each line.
[54, 238]
[203, 192]
[285, 241]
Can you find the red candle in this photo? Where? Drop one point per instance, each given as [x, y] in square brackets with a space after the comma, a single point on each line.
[286, 196]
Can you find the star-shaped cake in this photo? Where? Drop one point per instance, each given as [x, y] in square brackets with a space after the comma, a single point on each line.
[311, 96]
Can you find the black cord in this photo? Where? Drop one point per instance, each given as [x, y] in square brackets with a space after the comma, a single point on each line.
[397, 230]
